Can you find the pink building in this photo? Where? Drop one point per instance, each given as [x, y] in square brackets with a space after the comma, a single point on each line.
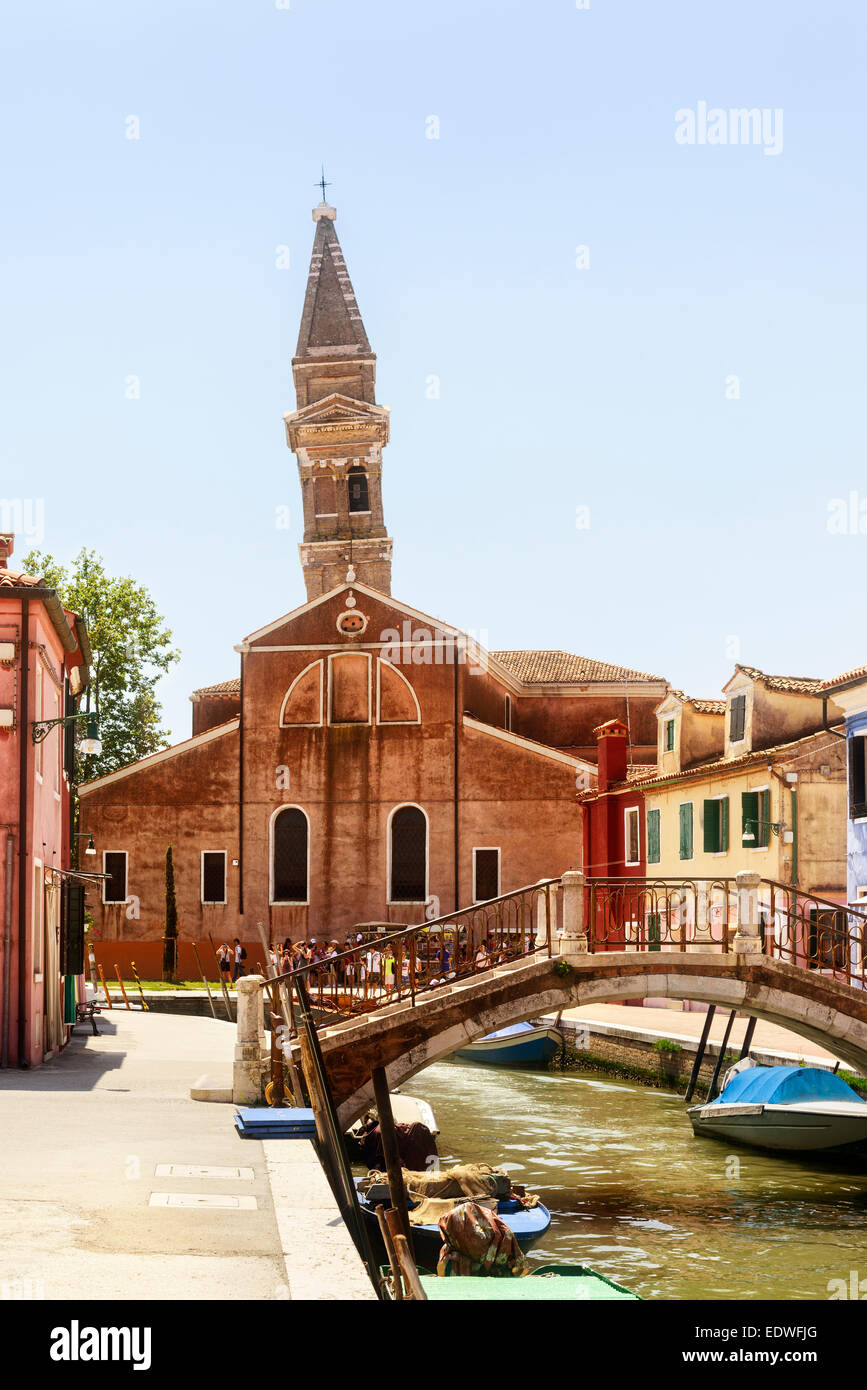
[44, 667]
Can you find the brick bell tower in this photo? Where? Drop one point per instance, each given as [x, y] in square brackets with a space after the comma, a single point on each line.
[338, 431]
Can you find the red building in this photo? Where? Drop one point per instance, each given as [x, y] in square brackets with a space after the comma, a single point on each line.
[44, 667]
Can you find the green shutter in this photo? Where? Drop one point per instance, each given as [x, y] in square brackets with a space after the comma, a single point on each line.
[764, 814]
[723, 824]
[686, 830]
[653, 836]
[711, 827]
[750, 819]
[653, 931]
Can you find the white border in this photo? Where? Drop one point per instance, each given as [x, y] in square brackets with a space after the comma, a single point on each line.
[627, 812]
[388, 723]
[348, 723]
[499, 852]
[316, 723]
[403, 902]
[286, 902]
[213, 902]
[116, 902]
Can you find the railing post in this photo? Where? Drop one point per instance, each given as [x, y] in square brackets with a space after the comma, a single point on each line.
[546, 918]
[574, 939]
[748, 937]
[247, 1088]
[701, 940]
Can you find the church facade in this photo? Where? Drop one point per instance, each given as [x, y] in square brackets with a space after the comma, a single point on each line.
[368, 763]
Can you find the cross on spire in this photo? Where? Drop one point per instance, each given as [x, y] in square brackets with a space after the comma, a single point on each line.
[323, 183]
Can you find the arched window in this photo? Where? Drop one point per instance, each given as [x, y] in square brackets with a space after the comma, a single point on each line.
[289, 837]
[359, 497]
[408, 856]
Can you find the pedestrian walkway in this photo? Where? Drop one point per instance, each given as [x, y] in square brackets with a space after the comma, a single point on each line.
[117, 1185]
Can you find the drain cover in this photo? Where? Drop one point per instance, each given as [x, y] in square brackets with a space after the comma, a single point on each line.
[203, 1200]
[202, 1170]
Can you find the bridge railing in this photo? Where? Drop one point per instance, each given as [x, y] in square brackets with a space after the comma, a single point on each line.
[814, 932]
[655, 914]
[410, 961]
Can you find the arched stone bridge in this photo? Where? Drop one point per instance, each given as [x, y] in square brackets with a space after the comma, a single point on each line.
[404, 1037]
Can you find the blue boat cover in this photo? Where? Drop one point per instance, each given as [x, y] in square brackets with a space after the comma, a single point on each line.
[507, 1032]
[781, 1085]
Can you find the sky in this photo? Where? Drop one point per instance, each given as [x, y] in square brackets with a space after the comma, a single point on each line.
[625, 368]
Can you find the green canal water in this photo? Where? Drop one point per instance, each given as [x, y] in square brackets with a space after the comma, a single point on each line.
[635, 1195]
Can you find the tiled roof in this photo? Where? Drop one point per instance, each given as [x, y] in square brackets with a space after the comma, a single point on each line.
[564, 668]
[638, 770]
[797, 685]
[209, 692]
[702, 769]
[702, 706]
[857, 673]
[11, 579]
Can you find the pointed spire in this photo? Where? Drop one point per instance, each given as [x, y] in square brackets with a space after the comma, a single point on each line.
[331, 324]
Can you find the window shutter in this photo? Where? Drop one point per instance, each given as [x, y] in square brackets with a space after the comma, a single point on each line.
[723, 804]
[653, 836]
[711, 827]
[738, 718]
[72, 928]
[686, 831]
[750, 818]
[857, 776]
[763, 833]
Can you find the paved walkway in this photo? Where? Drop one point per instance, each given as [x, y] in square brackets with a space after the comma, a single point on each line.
[681, 1026]
[84, 1213]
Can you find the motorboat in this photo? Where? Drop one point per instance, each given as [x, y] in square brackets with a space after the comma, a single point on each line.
[785, 1108]
[521, 1045]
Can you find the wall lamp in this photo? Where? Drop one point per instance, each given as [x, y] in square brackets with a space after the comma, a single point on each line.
[90, 745]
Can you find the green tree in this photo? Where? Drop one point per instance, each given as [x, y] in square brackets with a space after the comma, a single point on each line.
[170, 939]
[131, 651]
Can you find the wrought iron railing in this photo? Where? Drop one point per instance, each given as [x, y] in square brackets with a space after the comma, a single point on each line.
[400, 965]
[814, 932]
[655, 914]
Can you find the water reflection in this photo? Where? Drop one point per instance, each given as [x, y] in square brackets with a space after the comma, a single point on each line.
[633, 1193]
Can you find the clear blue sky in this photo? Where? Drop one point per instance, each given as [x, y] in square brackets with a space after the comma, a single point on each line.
[560, 387]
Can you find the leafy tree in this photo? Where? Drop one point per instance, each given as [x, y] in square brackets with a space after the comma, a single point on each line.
[170, 939]
[131, 651]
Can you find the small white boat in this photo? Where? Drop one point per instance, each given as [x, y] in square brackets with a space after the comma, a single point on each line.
[521, 1045]
[406, 1110]
[785, 1108]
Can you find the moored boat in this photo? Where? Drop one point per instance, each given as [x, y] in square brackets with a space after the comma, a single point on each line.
[787, 1109]
[548, 1283]
[520, 1045]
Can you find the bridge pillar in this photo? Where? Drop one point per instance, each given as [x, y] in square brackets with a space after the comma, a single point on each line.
[249, 1042]
[573, 942]
[748, 937]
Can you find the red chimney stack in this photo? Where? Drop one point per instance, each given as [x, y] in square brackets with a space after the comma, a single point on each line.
[611, 741]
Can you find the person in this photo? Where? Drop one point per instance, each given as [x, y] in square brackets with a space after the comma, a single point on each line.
[388, 964]
[240, 957]
[224, 956]
[482, 961]
[374, 962]
[274, 960]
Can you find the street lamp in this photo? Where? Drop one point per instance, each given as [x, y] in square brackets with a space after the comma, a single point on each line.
[86, 835]
[777, 826]
[90, 745]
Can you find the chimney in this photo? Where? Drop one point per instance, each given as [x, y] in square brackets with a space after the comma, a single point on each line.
[7, 545]
[611, 739]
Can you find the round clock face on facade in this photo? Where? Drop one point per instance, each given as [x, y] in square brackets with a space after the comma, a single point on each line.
[352, 623]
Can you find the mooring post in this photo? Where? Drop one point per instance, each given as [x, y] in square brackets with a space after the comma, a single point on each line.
[573, 942]
[748, 937]
[390, 1150]
[247, 1086]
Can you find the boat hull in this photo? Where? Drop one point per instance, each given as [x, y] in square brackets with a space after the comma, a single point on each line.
[784, 1128]
[547, 1284]
[532, 1048]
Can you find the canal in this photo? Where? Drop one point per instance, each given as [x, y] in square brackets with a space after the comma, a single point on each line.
[635, 1195]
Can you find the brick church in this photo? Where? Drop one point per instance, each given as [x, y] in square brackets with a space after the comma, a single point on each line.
[367, 761]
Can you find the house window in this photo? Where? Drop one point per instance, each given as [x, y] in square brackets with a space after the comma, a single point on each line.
[737, 718]
[686, 830]
[72, 928]
[857, 776]
[38, 928]
[213, 875]
[40, 714]
[756, 819]
[508, 716]
[653, 850]
[114, 866]
[289, 853]
[668, 744]
[486, 874]
[631, 848]
[716, 825]
[359, 496]
[408, 855]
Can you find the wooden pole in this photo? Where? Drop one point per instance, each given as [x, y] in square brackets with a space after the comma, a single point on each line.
[120, 982]
[104, 987]
[144, 1002]
[280, 991]
[205, 978]
[721, 1058]
[389, 1147]
[222, 982]
[699, 1056]
[406, 1259]
[391, 1253]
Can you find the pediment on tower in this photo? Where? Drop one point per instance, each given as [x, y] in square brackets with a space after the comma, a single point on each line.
[335, 418]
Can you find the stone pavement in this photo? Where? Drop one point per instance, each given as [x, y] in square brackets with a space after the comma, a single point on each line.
[82, 1137]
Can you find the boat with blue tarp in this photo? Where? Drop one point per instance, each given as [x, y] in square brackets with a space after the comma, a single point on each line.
[787, 1108]
[520, 1045]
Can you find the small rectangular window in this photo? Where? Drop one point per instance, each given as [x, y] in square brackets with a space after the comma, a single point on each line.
[653, 843]
[716, 825]
[669, 735]
[631, 850]
[686, 830]
[114, 867]
[857, 776]
[755, 819]
[487, 874]
[38, 919]
[737, 718]
[213, 876]
[508, 718]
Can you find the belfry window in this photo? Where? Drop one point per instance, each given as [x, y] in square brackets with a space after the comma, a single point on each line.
[289, 856]
[408, 856]
[359, 495]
